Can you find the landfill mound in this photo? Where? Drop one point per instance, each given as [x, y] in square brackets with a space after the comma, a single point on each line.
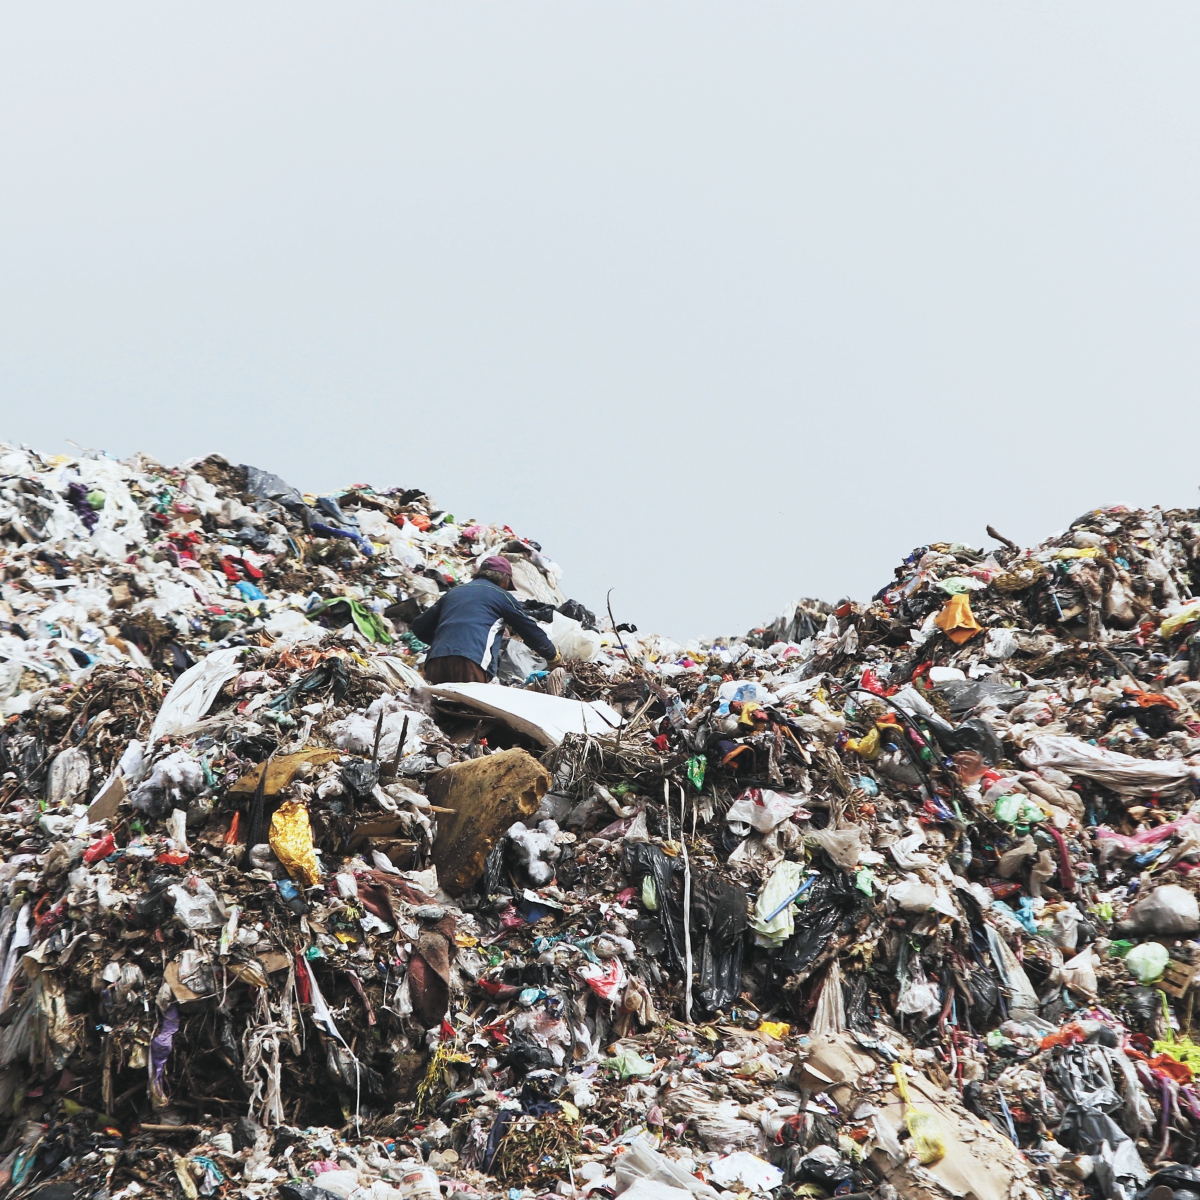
[892, 899]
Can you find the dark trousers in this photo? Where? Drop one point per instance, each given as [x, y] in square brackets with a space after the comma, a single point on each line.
[452, 668]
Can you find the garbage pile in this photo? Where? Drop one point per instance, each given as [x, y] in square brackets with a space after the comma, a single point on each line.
[889, 899]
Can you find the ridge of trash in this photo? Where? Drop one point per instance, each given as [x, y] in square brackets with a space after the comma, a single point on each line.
[884, 899]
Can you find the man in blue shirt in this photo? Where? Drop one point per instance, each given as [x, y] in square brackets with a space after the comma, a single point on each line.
[463, 629]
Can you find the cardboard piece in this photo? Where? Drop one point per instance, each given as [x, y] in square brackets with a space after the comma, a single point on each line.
[280, 772]
[546, 719]
[105, 805]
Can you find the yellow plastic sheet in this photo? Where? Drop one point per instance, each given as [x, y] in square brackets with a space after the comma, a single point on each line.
[867, 747]
[924, 1128]
[1185, 616]
[957, 620]
[292, 841]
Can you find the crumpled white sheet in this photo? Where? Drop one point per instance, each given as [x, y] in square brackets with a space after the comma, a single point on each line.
[192, 694]
[1120, 772]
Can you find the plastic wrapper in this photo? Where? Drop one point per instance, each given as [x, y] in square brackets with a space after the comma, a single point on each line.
[292, 841]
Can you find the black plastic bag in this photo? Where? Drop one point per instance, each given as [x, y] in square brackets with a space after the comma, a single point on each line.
[974, 734]
[719, 920]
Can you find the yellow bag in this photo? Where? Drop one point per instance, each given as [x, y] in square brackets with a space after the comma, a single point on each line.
[957, 620]
[923, 1127]
[1185, 616]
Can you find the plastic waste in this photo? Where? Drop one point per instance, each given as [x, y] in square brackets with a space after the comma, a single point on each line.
[1169, 909]
[292, 841]
[929, 1140]
[1148, 961]
[642, 1161]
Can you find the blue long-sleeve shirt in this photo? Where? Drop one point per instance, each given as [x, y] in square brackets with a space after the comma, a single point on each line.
[467, 622]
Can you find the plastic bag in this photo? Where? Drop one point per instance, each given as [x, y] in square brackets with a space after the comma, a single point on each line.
[571, 640]
[957, 621]
[193, 692]
[929, 1141]
[844, 846]
[762, 809]
[1148, 961]
[784, 882]
[916, 897]
[173, 782]
[518, 662]
[1065, 933]
[196, 904]
[536, 850]
[1014, 859]
[1168, 909]
[608, 982]
[1079, 974]
[745, 1168]
[918, 996]
[642, 1161]
[830, 1017]
[907, 854]
[70, 774]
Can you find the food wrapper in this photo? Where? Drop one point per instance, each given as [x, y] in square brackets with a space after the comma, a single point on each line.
[292, 841]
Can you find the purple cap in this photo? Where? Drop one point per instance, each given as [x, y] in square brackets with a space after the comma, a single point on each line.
[496, 563]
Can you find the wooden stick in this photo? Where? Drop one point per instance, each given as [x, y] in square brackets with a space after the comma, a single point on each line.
[378, 735]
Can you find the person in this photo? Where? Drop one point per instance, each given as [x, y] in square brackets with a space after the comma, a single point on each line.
[463, 628]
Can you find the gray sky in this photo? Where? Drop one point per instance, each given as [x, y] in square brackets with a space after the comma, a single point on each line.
[724, 304]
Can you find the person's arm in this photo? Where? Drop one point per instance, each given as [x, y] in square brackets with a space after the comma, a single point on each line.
[425, 626]
[534, 635]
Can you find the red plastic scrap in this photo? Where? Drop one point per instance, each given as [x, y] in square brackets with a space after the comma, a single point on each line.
[99, 849]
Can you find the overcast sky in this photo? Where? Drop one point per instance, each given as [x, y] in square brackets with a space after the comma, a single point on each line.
[724, 304]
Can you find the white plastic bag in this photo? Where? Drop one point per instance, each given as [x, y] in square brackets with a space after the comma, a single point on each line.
[745, 1168]
[913, 896]
[1168, 909]
[642, 1161]
[830, 1017]
[1147, 962]
[1079, 974]
[917, 995]
[193, 692]
[571, 640]
[762, 809]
